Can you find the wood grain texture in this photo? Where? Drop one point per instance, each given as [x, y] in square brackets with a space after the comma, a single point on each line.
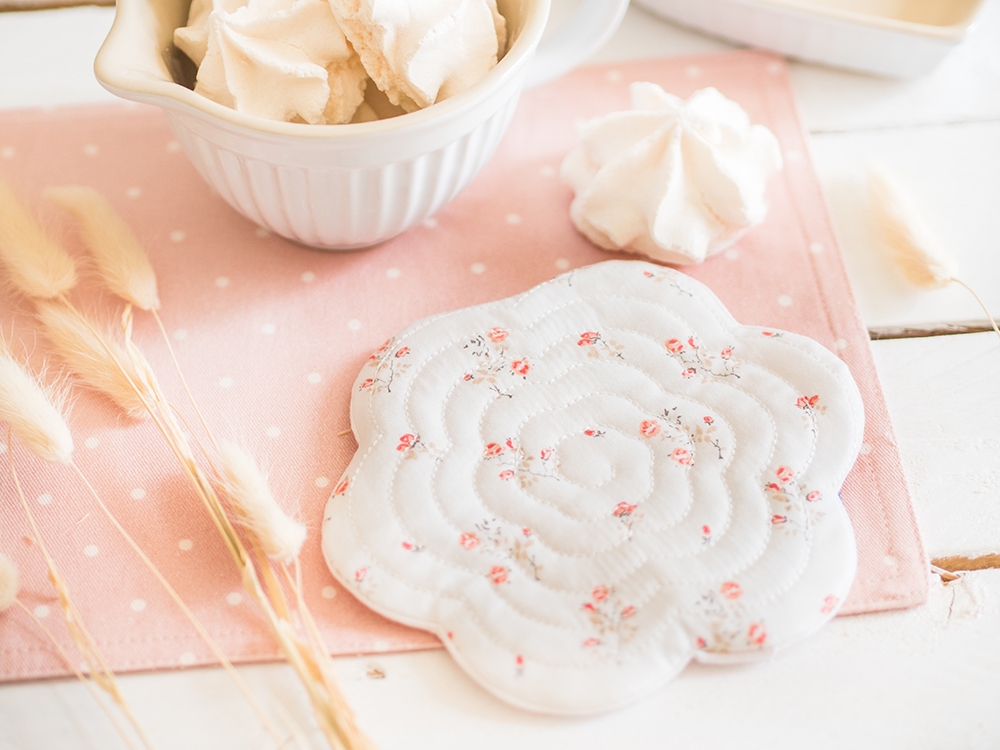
[6, 5]
[945, 407]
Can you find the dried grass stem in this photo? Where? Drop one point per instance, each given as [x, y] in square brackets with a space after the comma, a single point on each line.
[119, 257]
[37, 266]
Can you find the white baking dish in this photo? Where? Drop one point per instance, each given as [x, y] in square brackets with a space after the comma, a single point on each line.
[903, 38]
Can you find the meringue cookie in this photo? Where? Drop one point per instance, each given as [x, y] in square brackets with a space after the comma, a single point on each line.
[671, 179]
[192, 39]
[423, 51]
[282, 60]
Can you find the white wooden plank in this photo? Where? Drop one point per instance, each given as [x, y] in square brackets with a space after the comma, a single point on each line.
[922, 679]
[945, 406]
[47, 56]
[950, 172]
[964, 87]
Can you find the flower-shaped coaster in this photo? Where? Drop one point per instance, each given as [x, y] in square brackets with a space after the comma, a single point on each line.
[581, 488]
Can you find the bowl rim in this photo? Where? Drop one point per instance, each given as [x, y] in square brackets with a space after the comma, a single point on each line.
[951, 31]
[119, 69]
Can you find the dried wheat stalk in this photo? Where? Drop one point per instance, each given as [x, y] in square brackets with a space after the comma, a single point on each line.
[901, 230]
[272, 537]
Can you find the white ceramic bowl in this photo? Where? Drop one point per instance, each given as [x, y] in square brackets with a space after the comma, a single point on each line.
[901, 38]
[340, 187]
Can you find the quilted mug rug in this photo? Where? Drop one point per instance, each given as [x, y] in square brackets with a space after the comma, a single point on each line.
[581, 488]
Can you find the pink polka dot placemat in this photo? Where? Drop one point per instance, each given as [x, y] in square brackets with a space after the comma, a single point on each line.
[271, 336]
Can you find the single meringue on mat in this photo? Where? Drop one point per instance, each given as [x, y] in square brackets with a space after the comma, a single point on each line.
[283, 60]
[671, 179]
[423, 51]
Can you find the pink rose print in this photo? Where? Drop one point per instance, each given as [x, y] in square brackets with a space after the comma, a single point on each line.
[692, 343]
[506, 474]
[591, 642]
[599, 594]
[772, 487]
[588, 338]
[624, 509]
[813, 496]
[406, 441]
[627, 612]
[402, 352]
[803, 401]
[706, 530]
[493, 449]
[726, 353]
[649, 428]
[731, 590]
[828, 604]
[519, 662]
[496, 335]
[342, 486]
[359, 574]
[526, 531]
[681, 456]
[708, 420]
[366, 383]
[594, 433]
[700, 643]
[498, 574]
[785, 475]
[756, 634]
[674, 346]
[689, 373]
[777, 519]
[545, 454]
[648, 274]
[380, 350]
[520, 366]
[468, 541]
[408, 546]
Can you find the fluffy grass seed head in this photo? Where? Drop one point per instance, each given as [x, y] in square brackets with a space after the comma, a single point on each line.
[10, 582]
[901, 229]
[94, 356]
[280, 536]
[119, 257]
[34, 414]
[36, 265]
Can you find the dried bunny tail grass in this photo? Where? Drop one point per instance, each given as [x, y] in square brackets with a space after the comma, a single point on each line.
[33, 413]
[37, 266]
[93, 355]
[279, 535]
[902, 230]
[120, 258]
[10, 582]
[904, 233]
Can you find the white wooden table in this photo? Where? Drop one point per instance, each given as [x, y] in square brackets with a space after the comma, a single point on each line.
[924, 678]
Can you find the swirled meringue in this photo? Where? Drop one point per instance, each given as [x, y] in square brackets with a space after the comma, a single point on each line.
[423, 51]
[671, 179]
[279, 59]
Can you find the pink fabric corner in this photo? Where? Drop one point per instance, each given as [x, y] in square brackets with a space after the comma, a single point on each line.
[271, 336]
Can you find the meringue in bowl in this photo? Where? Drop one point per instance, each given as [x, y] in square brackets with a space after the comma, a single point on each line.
[340, 187]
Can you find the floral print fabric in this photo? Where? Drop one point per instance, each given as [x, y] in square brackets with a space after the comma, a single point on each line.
[584, 487]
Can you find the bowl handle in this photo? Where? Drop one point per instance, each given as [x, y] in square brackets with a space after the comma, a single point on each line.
[587, 30]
